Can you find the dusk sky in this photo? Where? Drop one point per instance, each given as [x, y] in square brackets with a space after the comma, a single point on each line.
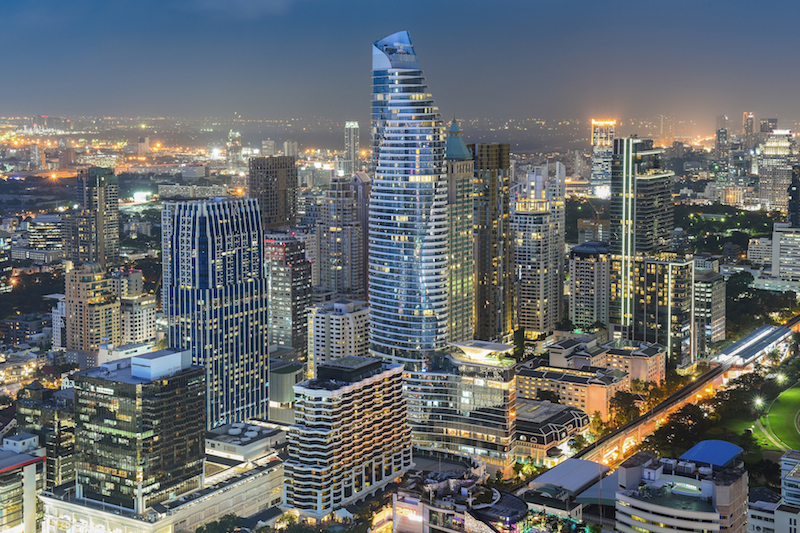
[305, 58]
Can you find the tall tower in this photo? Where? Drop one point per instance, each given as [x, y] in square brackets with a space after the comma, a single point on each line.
[340, 241]
[273, 182]
[235, 159]
[352, 146]
[289, 281]
[91, 234]
[538, 226]
[602, 151]
[776, 157]
[215, 300]
[495, 318]
[793, 217]
[460, 258]
[408, 211]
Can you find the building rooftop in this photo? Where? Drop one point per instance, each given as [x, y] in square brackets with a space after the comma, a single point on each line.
[10, 460]
[713, 452]
[664, 496]
[573, 475]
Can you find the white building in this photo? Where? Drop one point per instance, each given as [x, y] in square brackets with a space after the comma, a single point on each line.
[138, 318]
[336, 330]
[785, 252]
[351, 437]
[759, 251]
[588, 284]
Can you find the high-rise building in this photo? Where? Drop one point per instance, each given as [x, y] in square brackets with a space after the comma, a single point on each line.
[721, 145]
[44, 233]
[290, 149]
[138, 319]
[793, 206]
[336, 330]
[352, 148]
[768, 125]
[273, 182]
[538, 231]
[91, 233]
[127, 282]
[408, 211]
[268, 148]
[495, 304]
[92, 312]
[589, 278]
[235, 159]
[361, 185]
[340, 241]
[776, 157]
[460, 255]
[215, 301]
[140, 430]
[289, 292]
[748, 124]
[602, 151]
[21, 481]
[350, 438]
[709, 308]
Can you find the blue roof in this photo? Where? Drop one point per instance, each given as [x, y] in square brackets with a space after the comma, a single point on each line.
[713, 452]
[456, 149]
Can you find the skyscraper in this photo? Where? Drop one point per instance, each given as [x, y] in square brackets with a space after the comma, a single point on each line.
[776, 157]
[793, 207]
[91, 233]
[538, 229]
[235, 159]
[140, 430]
[352, 147]
[589, 284]
[361, 185]
[460, 258]
[289, 292]
[748, 129]
[273, 182]
[92, 312]
[408, 211]
[602, 150]
[495, 318]
[340, 241]
[215, 300]
[337, 330]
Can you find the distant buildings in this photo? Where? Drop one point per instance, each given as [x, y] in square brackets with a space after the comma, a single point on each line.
[91, 233]
[592, 230]
[352, 148]
[776, 157]
[273, 182]
[235, 159]
[215, 301]
[350, 438]
[602, 142]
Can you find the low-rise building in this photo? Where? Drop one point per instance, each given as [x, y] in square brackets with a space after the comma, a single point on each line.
[759, 251]
[544, 430]
[641, 360]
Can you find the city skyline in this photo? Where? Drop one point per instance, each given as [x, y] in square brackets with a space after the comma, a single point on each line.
[568, 73]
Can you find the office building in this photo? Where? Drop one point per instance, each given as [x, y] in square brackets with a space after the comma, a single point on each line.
[408, 211]
[127, 282]
[776, 157]
[589, 285]
[215, 301]
[748, 129]
[140, 430]
[721, 146]
[793, 205]
[44, 233]
[768, 125]
[289, 292]
[709, 308]
[273, 182]
[495, 282]
[267, 148]
[351, 437]
[340, 241]
[538, 229]
[50, 415]
[21, 480]
[705, 489]
[235, 159]
[137, 319]
[291, 149]
[602, 150]
[460, 248]
[361, 185]
[336, 330]
[91, 232]
[283, 376]
[352, 148]
[92, 312]
[759, 251]
[593, 230]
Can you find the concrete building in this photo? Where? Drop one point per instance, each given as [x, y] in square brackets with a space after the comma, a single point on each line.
[703, 490]
[361, 185]
[759, 251]
[544, 430]
[589, 388]
[589, 285]
[709, 308]
[352, 147]
[592, 230]
[786, 252]
[775, 158]
[273, 182]
[351, 437]
[337, 330]
[138, 319]
[340, 241]
[602, 152]
[92, 312]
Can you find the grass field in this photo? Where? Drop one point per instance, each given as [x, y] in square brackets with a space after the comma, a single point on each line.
[783, 416]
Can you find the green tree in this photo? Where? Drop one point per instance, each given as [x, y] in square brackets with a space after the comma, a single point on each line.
[577, 443]
[623, 408]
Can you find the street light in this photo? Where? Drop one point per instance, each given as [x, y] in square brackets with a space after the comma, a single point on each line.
[759, 401]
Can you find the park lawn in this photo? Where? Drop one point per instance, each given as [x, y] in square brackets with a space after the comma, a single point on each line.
[782, 416]
[737, 426]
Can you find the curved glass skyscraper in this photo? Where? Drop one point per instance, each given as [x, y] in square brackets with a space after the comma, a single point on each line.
[408, 211]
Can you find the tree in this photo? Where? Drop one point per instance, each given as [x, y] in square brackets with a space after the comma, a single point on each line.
[623, 408]
[286, 520]
[578, 443]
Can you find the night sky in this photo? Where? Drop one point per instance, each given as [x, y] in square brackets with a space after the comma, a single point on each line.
[306, 58]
